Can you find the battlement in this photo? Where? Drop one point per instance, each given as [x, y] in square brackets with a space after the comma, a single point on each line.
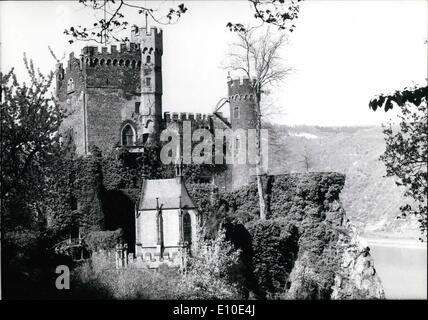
[241, 81]
[185, 116]
[240, 88]
[144, 42]
[113, 49]
[150, 38]
[150, 31]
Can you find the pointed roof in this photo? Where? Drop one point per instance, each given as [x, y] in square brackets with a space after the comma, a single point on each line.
[167, 191]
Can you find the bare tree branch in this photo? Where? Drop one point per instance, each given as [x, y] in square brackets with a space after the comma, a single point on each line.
[258, 57]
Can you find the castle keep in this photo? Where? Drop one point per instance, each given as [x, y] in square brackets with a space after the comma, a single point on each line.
[113, 97]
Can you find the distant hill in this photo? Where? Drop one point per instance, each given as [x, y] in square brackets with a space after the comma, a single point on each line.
[371, 200]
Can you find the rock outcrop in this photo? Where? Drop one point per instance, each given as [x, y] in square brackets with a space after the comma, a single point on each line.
[321, 258]
[357, 278]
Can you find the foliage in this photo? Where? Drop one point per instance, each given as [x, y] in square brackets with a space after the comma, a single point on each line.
[406, 153]
[415, 96]
[111, 18]
[206, 278]
[205, 197]
[210, 271]
[100, 280]
[280, 13]
[30, 119]
[275, 248]
[103, 240]
[305, 223]
[120, 170]
[73, 198]
[114, 20]
[307, 282]
[29, 264]
[151, 164]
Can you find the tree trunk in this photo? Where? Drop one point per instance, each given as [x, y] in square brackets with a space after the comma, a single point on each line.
[260, 190]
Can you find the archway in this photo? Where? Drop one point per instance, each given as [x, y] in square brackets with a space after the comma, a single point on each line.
[128, 135]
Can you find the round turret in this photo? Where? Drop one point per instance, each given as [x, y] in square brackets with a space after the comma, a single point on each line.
[242, 103]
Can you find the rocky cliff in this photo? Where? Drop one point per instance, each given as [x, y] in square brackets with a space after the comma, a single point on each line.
[307, 248]
[357, 277]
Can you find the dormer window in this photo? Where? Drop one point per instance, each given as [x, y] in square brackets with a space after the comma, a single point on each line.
[70, 85]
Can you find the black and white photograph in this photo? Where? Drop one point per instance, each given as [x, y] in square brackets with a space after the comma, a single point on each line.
[239, 151]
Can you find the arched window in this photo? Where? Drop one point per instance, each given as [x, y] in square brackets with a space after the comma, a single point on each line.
[133, 64]
[145, 137]
[121, 62]
[127, 63]
[187, 228]
[128, 135]
[148, 59]
[237, 145]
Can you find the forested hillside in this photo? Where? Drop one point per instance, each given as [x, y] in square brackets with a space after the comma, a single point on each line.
[371, 200]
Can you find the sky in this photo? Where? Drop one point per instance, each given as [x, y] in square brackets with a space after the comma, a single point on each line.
[342, 53]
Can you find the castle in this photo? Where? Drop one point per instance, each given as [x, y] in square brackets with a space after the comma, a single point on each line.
[113, 98]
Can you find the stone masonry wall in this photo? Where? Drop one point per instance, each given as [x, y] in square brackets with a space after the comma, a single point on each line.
[108, 111]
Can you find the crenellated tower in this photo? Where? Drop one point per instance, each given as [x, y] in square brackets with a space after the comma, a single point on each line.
[242, 116]
[113, 95]
[151, 46]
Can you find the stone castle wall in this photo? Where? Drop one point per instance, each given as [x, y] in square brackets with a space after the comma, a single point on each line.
[108, 111]
[106, 88]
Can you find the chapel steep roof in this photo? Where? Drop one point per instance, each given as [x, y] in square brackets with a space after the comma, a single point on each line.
[165, 193]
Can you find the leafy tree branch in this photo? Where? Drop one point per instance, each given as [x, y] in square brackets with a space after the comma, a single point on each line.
[114, 20]
[406, 153]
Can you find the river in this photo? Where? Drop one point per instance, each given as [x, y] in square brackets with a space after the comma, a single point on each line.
[402, 267]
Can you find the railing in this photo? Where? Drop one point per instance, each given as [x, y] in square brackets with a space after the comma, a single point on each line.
[64, 247]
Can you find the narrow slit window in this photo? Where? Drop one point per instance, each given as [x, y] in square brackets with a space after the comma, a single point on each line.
[236, 113]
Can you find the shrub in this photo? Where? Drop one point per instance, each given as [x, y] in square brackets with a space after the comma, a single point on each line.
[210, 271]
[275, 249]
[103, 240]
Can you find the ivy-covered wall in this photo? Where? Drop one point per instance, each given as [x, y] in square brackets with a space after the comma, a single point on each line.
[293, 254]
[305, 221]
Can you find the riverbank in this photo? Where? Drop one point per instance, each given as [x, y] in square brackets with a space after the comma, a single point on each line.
[394, 242]
[402, 266]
